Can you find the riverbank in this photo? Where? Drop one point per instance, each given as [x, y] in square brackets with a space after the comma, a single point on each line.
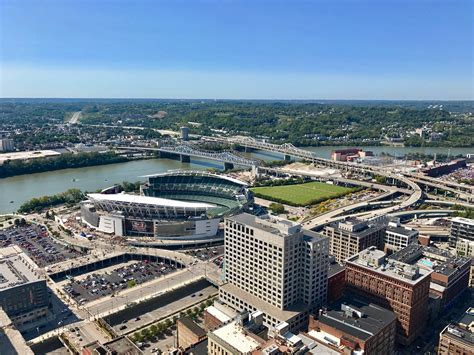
[18, 189]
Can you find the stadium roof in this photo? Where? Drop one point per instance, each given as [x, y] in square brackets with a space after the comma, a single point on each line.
[147, 200]
[190, 172]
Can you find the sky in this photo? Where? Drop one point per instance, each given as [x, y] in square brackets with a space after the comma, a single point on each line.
[231, 49]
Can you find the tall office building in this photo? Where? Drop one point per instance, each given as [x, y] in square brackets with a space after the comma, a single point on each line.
[6, 145]
[400, 287]
[274, 266]
[349, 237]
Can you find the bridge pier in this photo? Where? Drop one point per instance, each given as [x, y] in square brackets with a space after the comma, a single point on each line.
[228, 166]
[184, 158]
[248, 149]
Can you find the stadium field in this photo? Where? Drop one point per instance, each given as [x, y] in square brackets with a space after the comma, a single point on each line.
[301, 194]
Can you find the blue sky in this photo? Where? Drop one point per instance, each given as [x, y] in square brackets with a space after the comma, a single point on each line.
[327, 49]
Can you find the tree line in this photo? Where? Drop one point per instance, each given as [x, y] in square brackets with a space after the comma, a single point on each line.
[63, 161]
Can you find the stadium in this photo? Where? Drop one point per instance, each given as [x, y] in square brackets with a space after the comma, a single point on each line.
[177, 205]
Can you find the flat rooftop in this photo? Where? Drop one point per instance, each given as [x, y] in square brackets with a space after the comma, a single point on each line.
[463, 220]
[459, 333]
[279, 314]
[431, 258]
[402, 231]
[356, 227]
[16, 268]
[235, 335]
[270, 224]
[335, 268]
[357, 317]
[376, 260]
[147, 200]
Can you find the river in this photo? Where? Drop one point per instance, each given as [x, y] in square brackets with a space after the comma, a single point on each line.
[24, 187]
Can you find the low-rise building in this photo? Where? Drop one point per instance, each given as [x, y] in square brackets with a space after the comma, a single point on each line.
[450, 276]
[353, 326]
[246, 334]
[217, 314]
[349, 237]
[188, 333]
[458, 337]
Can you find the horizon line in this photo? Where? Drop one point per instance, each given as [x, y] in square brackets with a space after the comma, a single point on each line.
[223, 99]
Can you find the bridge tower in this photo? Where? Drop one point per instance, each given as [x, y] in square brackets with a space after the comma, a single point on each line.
[228, 166]
[184, 158]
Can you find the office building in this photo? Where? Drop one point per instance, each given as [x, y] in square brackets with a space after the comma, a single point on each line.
[349, 237]
[394, 285]
[450, 276]
[353, 326]
[275, 266]
[465, 247]
[23, 292]
[462, 228]
[398, 237]
[6, 145]
[458, 337]
[184, 133]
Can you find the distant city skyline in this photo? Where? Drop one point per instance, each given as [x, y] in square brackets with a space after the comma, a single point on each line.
[390, 50]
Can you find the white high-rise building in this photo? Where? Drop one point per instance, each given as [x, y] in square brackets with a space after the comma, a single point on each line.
[274, 266]
[6, 145]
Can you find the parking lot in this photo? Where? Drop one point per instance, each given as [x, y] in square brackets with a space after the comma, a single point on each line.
[35, 241]
[97, 285]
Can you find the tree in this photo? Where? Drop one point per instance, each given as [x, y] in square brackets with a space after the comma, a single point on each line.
[277, 208]
[131, 283]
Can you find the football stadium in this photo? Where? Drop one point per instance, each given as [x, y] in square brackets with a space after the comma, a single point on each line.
[177, 205]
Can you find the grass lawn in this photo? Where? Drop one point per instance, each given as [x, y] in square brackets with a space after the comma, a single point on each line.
[301, 194]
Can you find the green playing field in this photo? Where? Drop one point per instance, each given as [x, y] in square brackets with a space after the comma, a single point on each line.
[301, 194]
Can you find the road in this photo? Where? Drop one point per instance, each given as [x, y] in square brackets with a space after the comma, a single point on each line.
[108, 305]
[75, 117]
[168, 306]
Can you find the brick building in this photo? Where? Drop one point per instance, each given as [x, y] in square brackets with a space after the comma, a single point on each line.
[189, 333]
[458, 337]
[336, 281]
[450, 276]
[397, 286]
[353, 326]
